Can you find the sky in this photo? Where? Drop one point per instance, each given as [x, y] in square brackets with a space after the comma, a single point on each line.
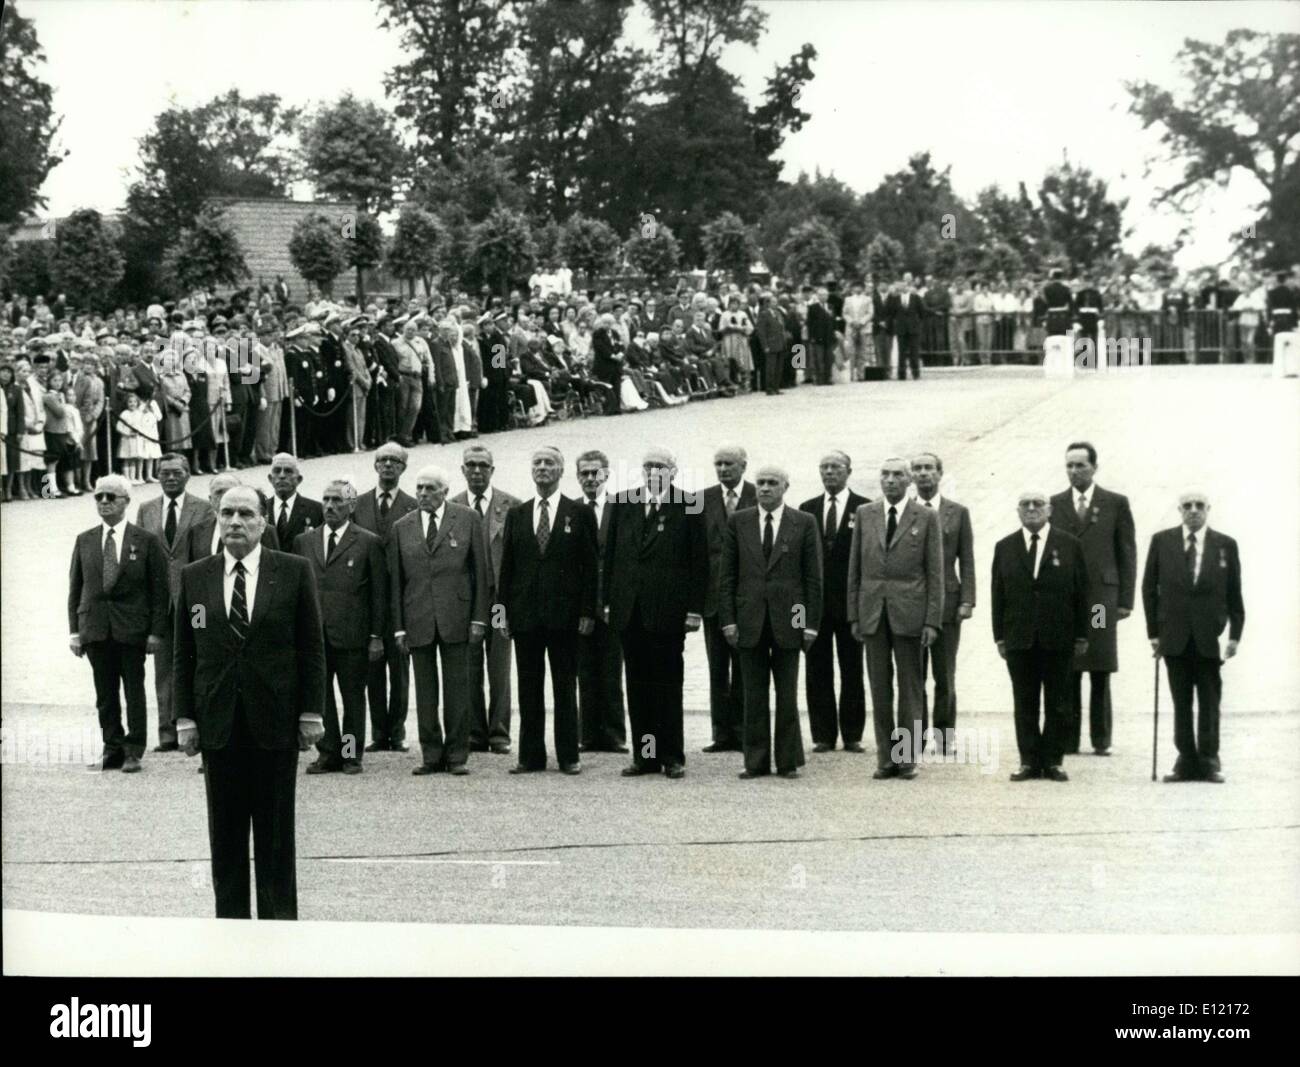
[998, 91]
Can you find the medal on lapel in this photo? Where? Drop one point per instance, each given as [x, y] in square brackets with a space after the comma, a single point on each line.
[852, 520]
[451, 540]
[1223, 559]
[1056, 558]
[349, 563]
[567, 527]
[132, 551]
[915, 532]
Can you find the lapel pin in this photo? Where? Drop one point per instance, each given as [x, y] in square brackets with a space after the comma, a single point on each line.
[852, 520]
[568, 529]
[349, 563]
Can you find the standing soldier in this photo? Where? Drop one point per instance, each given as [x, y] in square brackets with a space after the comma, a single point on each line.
[300, 363]
[1283, 304]
[1059, 308]
[1088, 309]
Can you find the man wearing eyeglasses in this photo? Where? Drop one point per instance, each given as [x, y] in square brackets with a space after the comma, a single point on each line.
[1040, 622]
[117, 610]
[1191, 591]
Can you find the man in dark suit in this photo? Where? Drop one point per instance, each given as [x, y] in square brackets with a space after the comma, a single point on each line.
[446, 380]
[958, 592]
[546, 599]
[250, 680]
[834, 512]
[600, 656]
[117, 607]
[388, 684]
[1103, 524]
[352, 580]
[1191, 591]
[169, 518]
[1040, 620]
[821, 337]
[774, 346]
[438, 574]
[203, 538]
[879, 324]
[905, 313]
[726, 693]
[770, 599]
[333, 362]
[657, 569]
[291, 514]
[489, 727]
[894, 602]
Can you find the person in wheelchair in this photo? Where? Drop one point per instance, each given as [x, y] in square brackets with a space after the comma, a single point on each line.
[534, 374]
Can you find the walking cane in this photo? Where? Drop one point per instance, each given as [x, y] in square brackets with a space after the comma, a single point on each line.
[293, 418]
[1155, 726]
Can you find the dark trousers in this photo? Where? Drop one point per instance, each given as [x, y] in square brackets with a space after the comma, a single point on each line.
[600, 689]
[654, 694]
[819, 363]
[614, 380]
[941, 659]
[305, 427]
[885, 652]
[531, 653]
[768, 660]
[246, 784]
[490, 716]
[383, 422]
[119, 669]
[772, 371]
[1099, 710]
[445, 743]
[446, 400]
[162, 683]
[1192, 675]
[350, 666]
[389, 694]
[1040, 678]
[726, 690]
[835, 639]
[245, 440]
[909, 355]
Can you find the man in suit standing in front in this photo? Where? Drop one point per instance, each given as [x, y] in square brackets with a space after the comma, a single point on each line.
[250, 680]
[770, 601]
[657, 566]
[835, 513]
[352, 579]
[906, 312]
[958, 593]
[600, 656]
[489, 727]
[821, 337]
[438, 574]
[546, 600]
[895, 607]
[203, 538]
[1191, 591]
[1103, 524]
[117, 607]
[1040, 620]
[726, 694]
[388, 684]
[291, 514]
[169, 518]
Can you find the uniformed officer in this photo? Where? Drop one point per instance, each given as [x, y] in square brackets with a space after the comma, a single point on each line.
[301, 361]
[1058, 305]
[1088, 309]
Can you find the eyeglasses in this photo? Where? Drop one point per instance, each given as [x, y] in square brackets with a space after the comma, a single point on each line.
[108, 497]
[1033, 503]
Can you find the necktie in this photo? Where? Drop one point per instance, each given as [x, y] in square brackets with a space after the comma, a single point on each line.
[891, 526]
[384, 505]
[478, 503]
[543, 526]
[731, 501]
[1033, 555]
[239, 602]
[929, 504]
[169, 530]
[767, 537]
[832, 522]
[1081, 509]
[282, 524]
[432, 535]
[110, 560]
[333, 544]
[1191, 557]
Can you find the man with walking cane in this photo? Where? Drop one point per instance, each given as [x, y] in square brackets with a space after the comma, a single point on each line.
[1191, 591]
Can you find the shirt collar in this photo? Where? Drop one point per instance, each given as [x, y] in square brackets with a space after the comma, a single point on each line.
[251, 561]
[1085, 493]
[1200, 534]
[341, 530]
[933, 502]
[286, 503]
[1042, 534]
[551, 501]
[599, 502]
[777, 512]
[486, 495]
[104, 529]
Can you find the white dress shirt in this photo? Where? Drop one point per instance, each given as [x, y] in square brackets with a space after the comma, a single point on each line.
[118, 531]
[776, 514]
[472, 497]
[1042, 543]
[251, 563]
[933, 502]
[1084, 498]
[1200, 548]
[597, 506]
[439, 515]
[325, 532]
[551, 503]
[285, 507]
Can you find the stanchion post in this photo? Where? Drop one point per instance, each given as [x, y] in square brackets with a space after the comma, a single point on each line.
[293, 416]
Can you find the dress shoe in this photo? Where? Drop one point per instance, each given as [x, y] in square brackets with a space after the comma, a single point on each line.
[480, 746]
[571, 768]
[377, 746]
[167, 746]
[675, 771]
[885, 772]
[499, 748]
[321, 765]
[788, 774]
[820, 747]
[1024, 774]
[622, 750]
[1178, 776]
[519, 768]
[717, 746]
[352, 766]
[633, 771]
[131, 764]
[427, 768]
[907, 772]
[1101, 751]
[398, 746]
[107, 763]
[458, 769]
[751, 774]
[853, 746]
[1055, 774]
[1213, 776]
[1072, 751]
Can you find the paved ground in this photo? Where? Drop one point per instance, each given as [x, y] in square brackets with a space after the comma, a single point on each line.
[1109, 852]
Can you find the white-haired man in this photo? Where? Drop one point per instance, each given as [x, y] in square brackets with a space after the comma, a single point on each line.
[291, 513]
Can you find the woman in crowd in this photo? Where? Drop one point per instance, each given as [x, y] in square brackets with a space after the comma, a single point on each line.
[175, 389]
[736, 327]
[59, 453]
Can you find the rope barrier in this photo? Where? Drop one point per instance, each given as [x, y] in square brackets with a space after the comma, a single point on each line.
[173, 443]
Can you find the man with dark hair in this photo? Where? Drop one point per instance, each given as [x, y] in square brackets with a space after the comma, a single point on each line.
[906, 313]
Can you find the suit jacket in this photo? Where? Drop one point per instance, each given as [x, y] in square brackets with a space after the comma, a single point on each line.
[277, 671]
[835, 564]
[352, 586]
[444, 364]
[135, 607]
[473, 363]
[152, 516]
[494, 528]
[776, 588]
[366, 513]
[958, 548]
[552, 591]
[904, 314]
[198, 541]
[305, 515]
[1053, 610]
[904, 578]
[1178, 612]
[659, 566]
[715, 530]
[821, 324]
[436, 593]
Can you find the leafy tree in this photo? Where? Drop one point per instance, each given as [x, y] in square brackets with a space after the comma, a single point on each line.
[317, 251]
[419, 247]
[730, 245]
[546, 239]
[588, 245]
[27, 121]
[1016, 221]
[364, 245]
[653, 251]
[27, 267]
[883, 258]
[915, 205]
[820, 196]
[501, 248]
[1079, 214]
[811, 252]
[208, 254]
[86, 263]
[352, 153]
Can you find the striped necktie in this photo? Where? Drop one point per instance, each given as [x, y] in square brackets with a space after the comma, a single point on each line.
[239, 602]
